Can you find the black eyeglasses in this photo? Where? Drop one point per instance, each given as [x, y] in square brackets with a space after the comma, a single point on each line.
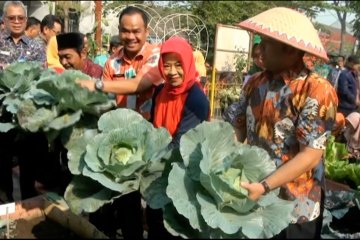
[20, 19]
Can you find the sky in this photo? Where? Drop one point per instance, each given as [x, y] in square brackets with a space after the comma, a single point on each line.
[329, 17]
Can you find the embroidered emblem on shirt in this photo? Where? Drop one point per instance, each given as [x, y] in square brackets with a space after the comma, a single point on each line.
[153, 60]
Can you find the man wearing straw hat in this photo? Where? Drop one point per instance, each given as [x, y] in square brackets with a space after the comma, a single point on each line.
[289, 111]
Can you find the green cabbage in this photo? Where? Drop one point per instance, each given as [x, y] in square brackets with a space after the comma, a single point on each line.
[123, 155]
[39, 99]
[205, 197]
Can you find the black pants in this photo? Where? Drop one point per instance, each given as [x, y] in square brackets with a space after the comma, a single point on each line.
[125, 213]
[6, 165]
[307, 230]
[154, 219]
[36, 163]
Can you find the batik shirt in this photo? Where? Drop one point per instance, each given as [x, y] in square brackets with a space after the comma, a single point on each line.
[298, 107]
[25, 50]
[118, 68]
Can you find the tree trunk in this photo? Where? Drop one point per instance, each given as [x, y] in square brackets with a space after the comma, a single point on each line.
[343, 32]
[342, 19]
[98, 37]
[66, 19]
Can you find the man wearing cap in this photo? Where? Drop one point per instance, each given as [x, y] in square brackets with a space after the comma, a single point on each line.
[72, 54]
[288, 111]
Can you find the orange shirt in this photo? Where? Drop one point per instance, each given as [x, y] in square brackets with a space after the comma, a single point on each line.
[119, 68]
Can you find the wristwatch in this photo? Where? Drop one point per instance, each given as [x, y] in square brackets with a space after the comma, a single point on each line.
[266, 187]
[99, 85]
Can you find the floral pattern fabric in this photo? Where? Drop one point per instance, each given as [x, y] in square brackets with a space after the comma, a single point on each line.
[278, 115]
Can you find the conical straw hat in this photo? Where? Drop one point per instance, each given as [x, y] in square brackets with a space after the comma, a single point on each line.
[287, 26]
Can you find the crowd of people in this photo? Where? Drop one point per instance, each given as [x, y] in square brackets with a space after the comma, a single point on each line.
[284, 107]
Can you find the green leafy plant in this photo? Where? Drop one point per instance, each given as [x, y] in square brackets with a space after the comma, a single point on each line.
[122, 155]
[200, 192]
[337, 165]
[15, 81]
[36, 99]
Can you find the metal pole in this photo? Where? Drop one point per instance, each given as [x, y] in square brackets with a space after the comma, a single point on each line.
[98, 13]
[53, 7]
[213, 76]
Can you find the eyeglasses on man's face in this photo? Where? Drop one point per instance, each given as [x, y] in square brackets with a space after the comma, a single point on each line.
[20, 19]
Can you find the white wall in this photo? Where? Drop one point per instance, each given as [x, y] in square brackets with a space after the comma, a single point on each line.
[87, 17]
[38, 9]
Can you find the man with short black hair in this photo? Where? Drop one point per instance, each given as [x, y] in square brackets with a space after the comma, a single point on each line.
[347, 86]
[136, 63]
[123, 74]
[50, 26]
[72, 54]
[32, 29]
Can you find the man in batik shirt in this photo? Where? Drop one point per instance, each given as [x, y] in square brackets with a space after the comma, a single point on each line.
[289, 111]
[15, 46]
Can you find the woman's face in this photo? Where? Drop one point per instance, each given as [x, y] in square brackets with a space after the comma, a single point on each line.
[173, 69]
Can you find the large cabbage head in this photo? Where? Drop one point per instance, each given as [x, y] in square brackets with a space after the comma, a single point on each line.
[206, 198]
[124, 151]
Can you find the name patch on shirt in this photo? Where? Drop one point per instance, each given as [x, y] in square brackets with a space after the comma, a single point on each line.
[5, 53]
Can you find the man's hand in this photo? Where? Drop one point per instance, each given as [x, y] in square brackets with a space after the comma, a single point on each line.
[89, 84]
[255, 190]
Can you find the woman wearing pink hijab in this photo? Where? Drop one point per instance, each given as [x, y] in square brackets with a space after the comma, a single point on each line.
[179, 104]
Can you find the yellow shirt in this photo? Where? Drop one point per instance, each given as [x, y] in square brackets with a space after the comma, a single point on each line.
[200, 63]
[52, 56]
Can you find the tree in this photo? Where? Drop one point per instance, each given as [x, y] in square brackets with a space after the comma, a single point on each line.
[355, 6]
[342, 8]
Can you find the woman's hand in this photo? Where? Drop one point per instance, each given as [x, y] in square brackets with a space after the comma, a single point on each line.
[255, 190]
[89, 84]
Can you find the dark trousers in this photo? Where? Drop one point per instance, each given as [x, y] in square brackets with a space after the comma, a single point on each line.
[36, 163]
[307, 230]
[125, 213]
[6, 165]
[154, 220]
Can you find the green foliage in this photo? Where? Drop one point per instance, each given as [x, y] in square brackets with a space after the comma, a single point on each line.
[202, 185]
[39, 99]
[338, 167]
[122, 155]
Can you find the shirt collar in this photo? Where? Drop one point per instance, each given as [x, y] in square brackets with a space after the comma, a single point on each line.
[24, 38]
[122, 55]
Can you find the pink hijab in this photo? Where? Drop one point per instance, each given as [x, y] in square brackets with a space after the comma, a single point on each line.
[352, 135]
